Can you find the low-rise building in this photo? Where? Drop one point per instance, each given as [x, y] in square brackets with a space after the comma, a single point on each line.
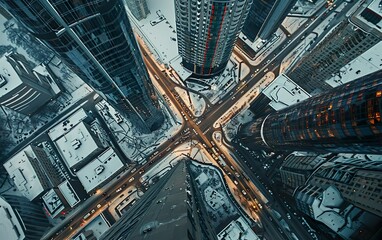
[32, 172]
[21, 88]
[279, 94]
[65, 126]
[78, 146]
[53, 203]
[72, 191]
[97, 172]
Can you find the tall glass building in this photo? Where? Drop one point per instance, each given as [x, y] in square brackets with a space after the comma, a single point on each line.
[21, 219]
[348, 40]
[207, 31]
[95, 39]
[344, 119]
[265, 17]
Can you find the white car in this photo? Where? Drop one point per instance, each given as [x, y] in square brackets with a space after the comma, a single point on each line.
[131, 179]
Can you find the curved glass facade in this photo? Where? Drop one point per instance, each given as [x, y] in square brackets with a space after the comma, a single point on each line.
[28, 218]
[96, 41]
[345, 119]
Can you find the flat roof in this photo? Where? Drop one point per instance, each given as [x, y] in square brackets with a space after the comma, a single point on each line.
[100, 169]
[52, 203]
[77, 145]
[161, 19]
[65, 126]
[9, 226]
[182, 72]
[69, 193]
[23, 174]
[283, 92]
[12, 79]
[374, 12]
[237, 229]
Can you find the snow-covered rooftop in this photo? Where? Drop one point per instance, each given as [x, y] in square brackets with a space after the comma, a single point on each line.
[52, 203]
[41, 69]
[182, 72]
[284, 92]
[10, 227]
[65, 126]
[161, 19]
[78, 145]
[9, 79]
[23, 174]
[69, 194]
[373, 11]
[100, 169]
[237, 229]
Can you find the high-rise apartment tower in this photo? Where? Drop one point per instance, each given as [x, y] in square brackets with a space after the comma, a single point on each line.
[96, 41]
[349, 39]
[207, 31]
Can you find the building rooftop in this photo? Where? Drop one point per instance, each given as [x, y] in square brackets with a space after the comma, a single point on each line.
[237, 229]
[52, 203]
[66, 125]
[23, 174]
[161, 19]
[78, 144]
[9, 79]
[372, 15]
[10, 227]
[100, 170]
[69, 194]
[283, 92]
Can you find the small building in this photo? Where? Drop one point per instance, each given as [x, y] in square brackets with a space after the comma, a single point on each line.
[97, 172]
[21, 88]
[279, 94]
[65, 126]
[32, 172]
[53, 203]
[73, 192]
[79, 145]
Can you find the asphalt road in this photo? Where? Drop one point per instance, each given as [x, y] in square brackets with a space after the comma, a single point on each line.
[204, 135]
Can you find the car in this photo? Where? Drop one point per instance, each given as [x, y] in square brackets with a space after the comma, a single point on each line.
[235, 182]
[119, 189]
[131, 179]
[133, 170]
[243, 192]
[141, 171]
[99, 205]
[288, 216]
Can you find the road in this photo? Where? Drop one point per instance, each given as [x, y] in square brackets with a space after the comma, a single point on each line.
[203, 133]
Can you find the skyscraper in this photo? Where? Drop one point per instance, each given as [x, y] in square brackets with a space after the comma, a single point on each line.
[168, 210]
[345, 195]
[96, 41]
[345, 119]
[348, 40]
[207, 31]
[138, 8]
[265, 17]
[21, 219]
[21, 88]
